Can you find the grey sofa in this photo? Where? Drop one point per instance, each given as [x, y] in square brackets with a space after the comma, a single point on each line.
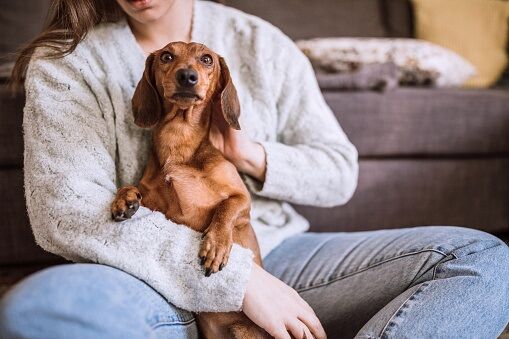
[426, 156]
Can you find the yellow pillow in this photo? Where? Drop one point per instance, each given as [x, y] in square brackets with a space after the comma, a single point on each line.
[475, 29]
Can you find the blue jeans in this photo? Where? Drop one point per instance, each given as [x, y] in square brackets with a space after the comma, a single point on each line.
[426, 282]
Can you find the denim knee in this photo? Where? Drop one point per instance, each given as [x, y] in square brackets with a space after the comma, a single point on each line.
[462, 241]
[470, 241]
[89, 301]
[20, 305]
[481, 260]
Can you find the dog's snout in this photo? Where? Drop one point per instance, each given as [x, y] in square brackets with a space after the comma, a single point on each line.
[187, 77]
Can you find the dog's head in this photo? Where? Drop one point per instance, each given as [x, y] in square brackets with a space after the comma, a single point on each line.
[184, 75]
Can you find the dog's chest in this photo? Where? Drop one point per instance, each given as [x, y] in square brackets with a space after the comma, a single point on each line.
[193, 194]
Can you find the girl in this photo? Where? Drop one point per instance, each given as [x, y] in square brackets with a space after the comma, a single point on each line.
[81, 143]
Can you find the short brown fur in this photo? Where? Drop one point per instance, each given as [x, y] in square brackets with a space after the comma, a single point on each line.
[187, 178]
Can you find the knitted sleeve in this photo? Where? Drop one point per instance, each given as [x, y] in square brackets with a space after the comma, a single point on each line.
[311, 162]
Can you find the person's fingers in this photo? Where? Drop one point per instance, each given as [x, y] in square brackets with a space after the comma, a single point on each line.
[314, 325]
[308, 334]
[279, 332]
[309, 318]
[298, 329]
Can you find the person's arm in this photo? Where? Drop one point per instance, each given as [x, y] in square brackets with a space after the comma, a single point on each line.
[70, 181]
[312, 162]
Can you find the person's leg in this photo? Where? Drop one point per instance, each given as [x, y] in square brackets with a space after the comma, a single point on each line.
[90, 301]
[425, 282]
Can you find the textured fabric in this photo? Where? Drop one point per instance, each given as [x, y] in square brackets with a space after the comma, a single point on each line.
[425, 282]
[419, 62]
[304, 19]
[394, 193]
[93, 302]
[434, 123]
[81, 143]
[351, 280]
[475, 29]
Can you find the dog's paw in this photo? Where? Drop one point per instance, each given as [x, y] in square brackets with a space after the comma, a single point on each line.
[215, 250]
[126, 203]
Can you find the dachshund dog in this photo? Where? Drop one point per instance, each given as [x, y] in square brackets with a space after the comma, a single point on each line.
[183, 88]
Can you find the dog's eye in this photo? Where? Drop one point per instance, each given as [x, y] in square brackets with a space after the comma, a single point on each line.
[166, 57]
[207, 59]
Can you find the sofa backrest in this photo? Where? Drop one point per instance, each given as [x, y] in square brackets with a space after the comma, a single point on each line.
[303, 19]
[20, 21]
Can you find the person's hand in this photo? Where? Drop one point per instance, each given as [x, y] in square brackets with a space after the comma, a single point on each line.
[278, 308]
[248, 156]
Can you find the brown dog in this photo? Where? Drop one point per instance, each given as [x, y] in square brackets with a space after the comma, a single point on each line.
[186, 177]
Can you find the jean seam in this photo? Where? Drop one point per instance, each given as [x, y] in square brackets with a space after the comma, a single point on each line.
[440, 263]
[172, 323]
[419, 290]
[389, 323]
[334, 279]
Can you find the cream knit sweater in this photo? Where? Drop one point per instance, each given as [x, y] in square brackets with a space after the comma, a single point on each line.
[81, 144]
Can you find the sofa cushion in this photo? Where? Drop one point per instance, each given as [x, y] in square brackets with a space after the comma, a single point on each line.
[20, 21]
[393, 193]
[424, 122]
[305, 19]
[475, 29]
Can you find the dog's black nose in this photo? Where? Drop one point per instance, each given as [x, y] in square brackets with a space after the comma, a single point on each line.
[187, 77]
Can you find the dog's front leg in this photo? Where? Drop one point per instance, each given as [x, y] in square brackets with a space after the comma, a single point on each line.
[218, 237]
[126, 203]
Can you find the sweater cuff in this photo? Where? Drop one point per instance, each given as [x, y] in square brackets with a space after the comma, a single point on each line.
[237, 274]
[276, 178]
[221, 292]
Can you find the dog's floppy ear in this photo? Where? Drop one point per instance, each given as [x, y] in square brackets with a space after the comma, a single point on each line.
[227, 97]
[146, 101]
